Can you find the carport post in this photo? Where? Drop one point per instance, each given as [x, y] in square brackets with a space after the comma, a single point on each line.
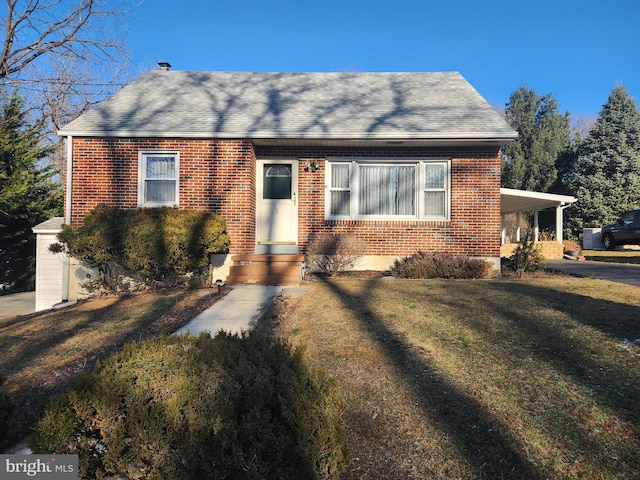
[517, 227]
[559, 215]
[536, 227]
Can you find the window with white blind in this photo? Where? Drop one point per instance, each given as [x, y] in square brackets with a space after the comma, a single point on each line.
[398, 189]
[158, 174]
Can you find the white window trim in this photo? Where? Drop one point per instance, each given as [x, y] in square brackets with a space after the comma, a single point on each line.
[419, 163]
[142, 154]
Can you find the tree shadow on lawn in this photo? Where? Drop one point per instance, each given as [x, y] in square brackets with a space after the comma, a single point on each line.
[560, 345]
[38, 382]
[492, 453]
[575, 343]
[45, 381]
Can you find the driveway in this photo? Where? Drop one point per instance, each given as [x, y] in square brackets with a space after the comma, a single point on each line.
[615, 272]
[17, 304]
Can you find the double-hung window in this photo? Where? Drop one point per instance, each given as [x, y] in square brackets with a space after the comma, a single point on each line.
[158, 174]
[387, 189]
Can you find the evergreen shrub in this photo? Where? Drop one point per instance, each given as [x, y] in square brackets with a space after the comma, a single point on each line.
[6, 409]
[155, 244]
[440, 265]
[184, 407]
[527, 257]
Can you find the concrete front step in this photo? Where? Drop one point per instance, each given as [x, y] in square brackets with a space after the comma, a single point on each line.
[266, 269]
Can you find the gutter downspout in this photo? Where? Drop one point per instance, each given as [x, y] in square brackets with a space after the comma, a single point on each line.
[66, 269]
[67, 213]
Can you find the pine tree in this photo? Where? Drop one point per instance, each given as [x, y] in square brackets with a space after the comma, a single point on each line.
[606, 178]
[28, 193]
[528, 163]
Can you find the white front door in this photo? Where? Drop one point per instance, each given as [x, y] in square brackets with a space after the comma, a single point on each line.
[277, 207]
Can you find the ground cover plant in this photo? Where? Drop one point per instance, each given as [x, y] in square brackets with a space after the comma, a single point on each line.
[183, 407]
[41, 354]
[526, 378]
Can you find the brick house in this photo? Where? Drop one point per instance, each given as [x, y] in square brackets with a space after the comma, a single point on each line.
[405, 161]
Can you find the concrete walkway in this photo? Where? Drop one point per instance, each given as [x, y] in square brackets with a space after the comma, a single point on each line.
[239, 310]
[615, 272]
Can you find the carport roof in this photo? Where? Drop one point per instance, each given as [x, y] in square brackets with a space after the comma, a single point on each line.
[513, 201]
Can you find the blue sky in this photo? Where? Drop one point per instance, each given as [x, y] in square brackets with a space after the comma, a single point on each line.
[579, 50]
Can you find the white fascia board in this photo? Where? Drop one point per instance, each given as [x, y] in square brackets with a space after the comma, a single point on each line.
[487, 137]
[538, 195]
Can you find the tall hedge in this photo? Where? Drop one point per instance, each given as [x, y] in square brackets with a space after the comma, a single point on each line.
[152, 243]
[184, 407]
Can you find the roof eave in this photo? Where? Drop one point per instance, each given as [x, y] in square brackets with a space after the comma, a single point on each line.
[486, 138]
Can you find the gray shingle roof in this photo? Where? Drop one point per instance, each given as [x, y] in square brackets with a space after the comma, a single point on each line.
[364, 106]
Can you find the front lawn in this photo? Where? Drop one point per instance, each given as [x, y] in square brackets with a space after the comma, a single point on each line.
[613, 256]
[512, 378]
[41, 354]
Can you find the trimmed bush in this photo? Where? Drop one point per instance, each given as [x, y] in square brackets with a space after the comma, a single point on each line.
[333, 253]
[440, 265]
[6, 409]
[154, 244]
[183, 407]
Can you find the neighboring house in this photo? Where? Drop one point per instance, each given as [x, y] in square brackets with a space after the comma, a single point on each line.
[405, 161]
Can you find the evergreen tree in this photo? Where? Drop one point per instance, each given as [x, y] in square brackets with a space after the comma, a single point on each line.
[606, 177]
[528, 162]
[28, 193]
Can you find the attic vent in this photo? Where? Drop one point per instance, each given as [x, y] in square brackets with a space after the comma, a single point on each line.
[164, 66]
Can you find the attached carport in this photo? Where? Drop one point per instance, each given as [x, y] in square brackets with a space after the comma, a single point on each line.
[518, 201]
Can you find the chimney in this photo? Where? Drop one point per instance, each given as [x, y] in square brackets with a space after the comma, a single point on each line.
[164, 66]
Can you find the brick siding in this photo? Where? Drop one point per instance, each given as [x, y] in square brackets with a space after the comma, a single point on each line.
[220, 176]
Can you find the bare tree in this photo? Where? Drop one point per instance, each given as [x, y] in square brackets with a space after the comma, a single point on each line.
[581, 125]
[79, 29]
[64, 55]
[72, 90]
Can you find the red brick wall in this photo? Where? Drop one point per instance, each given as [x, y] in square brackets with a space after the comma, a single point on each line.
[474, 228]
[219, 176]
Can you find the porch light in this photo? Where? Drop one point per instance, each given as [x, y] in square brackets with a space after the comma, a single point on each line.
[313, 165]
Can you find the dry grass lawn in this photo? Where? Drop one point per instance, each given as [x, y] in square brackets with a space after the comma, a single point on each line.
[509, 378]
[41, 354]
[613, 256]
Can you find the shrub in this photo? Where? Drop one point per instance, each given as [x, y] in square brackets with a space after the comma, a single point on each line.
[155, 244]
[527, 257]
[334, 252]
[184, 407]
[6, 408]
[440, 265]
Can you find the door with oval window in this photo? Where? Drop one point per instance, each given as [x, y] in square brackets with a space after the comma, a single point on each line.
[277, 207]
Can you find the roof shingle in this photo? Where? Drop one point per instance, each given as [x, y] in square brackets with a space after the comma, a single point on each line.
[334, 106]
